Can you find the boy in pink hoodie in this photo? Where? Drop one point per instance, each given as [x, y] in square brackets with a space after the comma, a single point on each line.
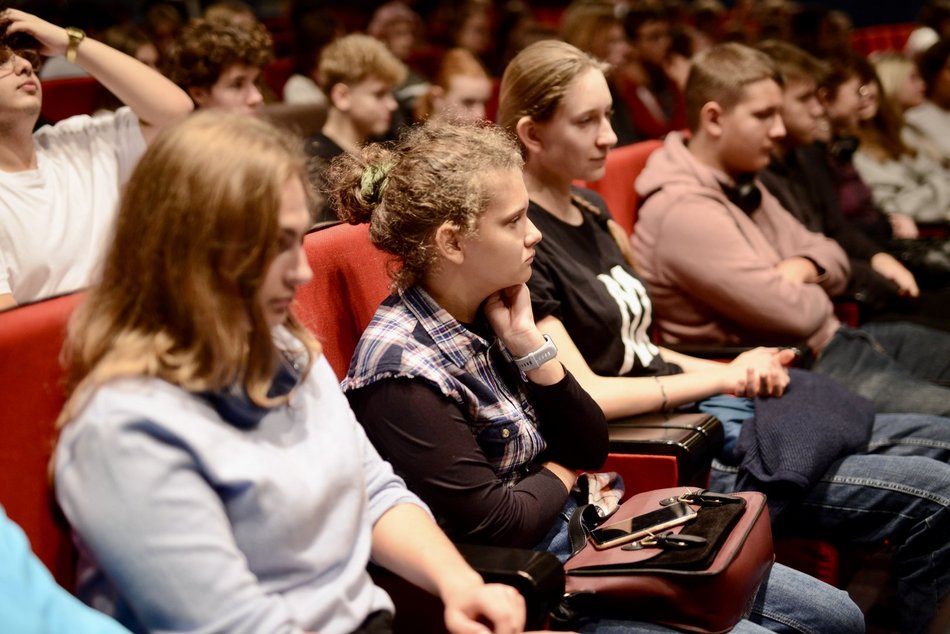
[725, 262]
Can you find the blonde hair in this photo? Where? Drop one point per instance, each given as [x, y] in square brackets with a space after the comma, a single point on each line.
[721, 73]
[892, 70]
[438, 173]
[457, 62]
[228, 12]
[537, 79]
[196, 231]
[534, 85]
[881, 135]
[356, 57]
[586, 24]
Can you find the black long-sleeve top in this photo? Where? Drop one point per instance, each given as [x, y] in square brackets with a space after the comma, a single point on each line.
[427, 438]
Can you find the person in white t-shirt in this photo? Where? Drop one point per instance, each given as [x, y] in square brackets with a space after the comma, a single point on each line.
[59, 186]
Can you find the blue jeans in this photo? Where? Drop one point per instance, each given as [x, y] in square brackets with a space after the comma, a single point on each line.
[892, 364]
[787, 600]
[899, 490]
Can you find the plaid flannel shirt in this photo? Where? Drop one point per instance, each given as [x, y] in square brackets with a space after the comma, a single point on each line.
[413, 337]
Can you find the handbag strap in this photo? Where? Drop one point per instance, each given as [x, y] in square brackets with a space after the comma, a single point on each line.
[583, 520]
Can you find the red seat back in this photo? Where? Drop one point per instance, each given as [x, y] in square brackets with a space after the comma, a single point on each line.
[349, 282]
[69, 96]
[31, 390]
[624, 165]
[881, 37]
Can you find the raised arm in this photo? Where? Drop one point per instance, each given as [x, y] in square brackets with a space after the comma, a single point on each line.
[154, 99]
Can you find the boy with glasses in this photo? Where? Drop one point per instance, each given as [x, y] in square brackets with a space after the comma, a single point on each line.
[59, 186]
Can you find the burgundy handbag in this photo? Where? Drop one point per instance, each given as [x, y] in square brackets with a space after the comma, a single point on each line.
[698, 577]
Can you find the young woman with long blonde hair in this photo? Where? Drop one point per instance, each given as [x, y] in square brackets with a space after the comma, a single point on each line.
[209, 464]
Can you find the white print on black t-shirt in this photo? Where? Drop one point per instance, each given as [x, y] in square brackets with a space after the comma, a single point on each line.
[635, 311]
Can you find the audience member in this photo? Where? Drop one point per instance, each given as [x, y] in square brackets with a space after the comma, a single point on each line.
[219, 64]
[455, 383]
[652, 97]
[902, 180]
[594, 28]
[901, 84]
[231, 12]
[932, 117]
[162, 21]
[726, 263]
[358, 75]
[471, 28]
[822, 31]
[397, 26]
[844, 99]
[209, 464]
[460, 90]
[799, 177]
[58, 187]
[313, 29]
[934, 23]
[840, 93]
[134, 42]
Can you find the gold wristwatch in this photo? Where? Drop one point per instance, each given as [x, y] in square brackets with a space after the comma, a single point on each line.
[75, 37]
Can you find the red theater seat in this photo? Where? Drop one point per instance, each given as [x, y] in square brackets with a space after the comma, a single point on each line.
[69, 96]
[32, 393]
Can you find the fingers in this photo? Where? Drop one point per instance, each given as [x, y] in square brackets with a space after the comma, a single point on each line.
[785, 356]
[502, 606]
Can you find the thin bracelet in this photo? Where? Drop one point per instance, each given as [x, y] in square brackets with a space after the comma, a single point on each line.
[663, 392]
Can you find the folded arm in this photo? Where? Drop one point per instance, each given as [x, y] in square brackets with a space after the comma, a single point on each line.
[719, 268]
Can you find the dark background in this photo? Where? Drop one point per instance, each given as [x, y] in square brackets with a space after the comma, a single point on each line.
[862, 12]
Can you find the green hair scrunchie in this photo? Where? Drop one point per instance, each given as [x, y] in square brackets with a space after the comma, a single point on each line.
[373, 181]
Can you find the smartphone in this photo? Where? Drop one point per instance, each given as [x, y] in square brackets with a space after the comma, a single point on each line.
[639, 526]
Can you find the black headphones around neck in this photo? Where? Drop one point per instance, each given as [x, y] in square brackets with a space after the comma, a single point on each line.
[745, 194]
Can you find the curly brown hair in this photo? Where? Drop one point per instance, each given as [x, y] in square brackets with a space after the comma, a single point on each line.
[438, 173]
[204, 50]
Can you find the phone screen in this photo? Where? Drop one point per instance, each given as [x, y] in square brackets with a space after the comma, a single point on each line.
[639, 526]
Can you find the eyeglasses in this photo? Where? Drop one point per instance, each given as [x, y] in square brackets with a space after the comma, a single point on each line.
[9, 55]
[868, 92]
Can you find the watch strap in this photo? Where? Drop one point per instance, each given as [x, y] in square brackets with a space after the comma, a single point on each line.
[76, 36]
[539, 357]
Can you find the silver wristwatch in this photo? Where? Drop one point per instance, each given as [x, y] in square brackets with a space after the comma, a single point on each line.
[539, 357]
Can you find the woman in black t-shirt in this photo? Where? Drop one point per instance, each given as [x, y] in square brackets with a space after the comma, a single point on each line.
[585, 293]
